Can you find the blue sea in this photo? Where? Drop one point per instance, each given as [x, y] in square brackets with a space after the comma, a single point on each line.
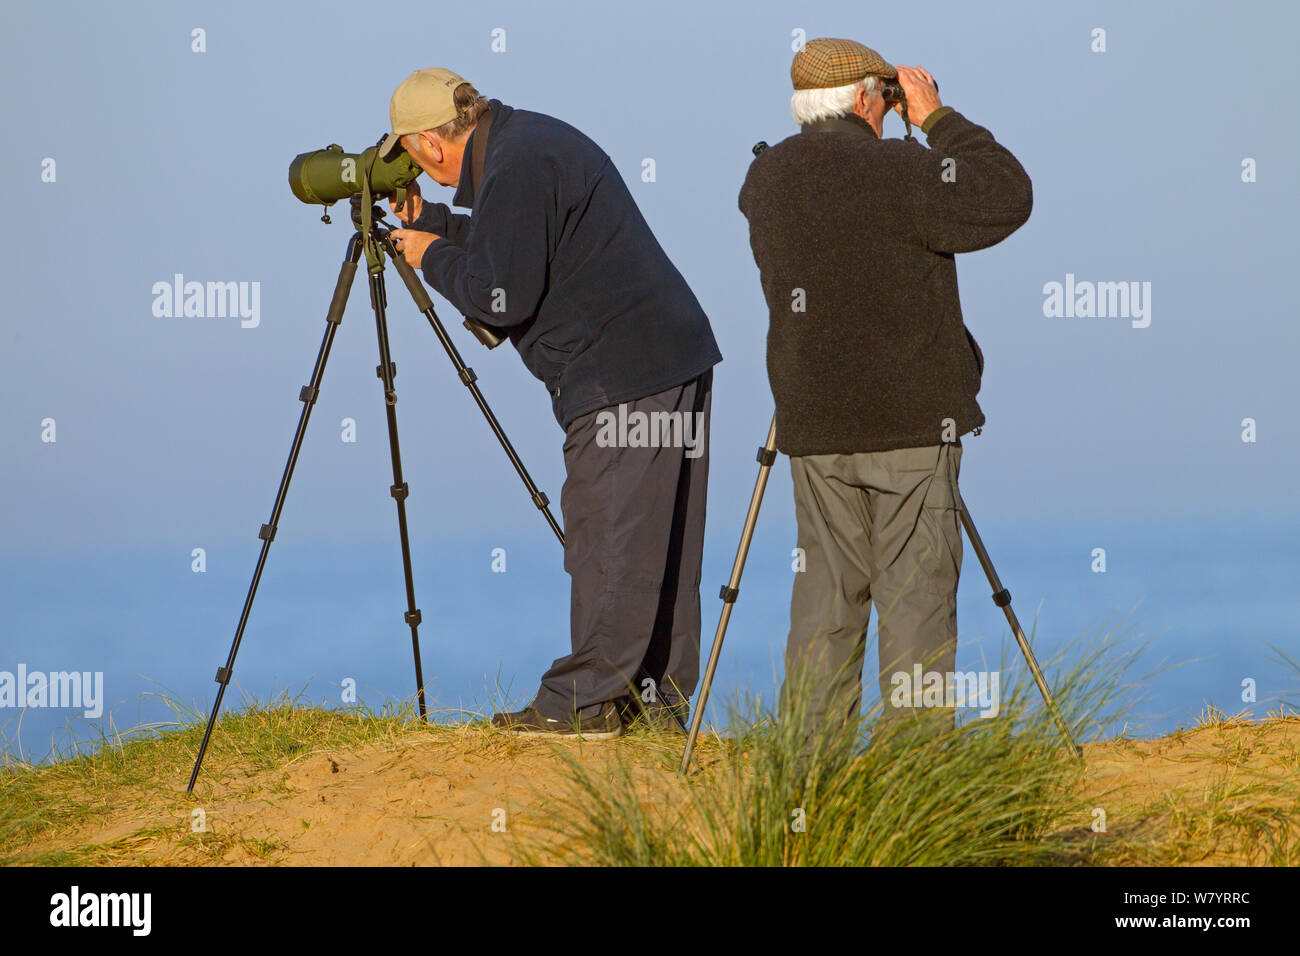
[1208, 599]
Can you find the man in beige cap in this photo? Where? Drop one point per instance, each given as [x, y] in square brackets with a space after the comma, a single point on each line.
[558, 258]
[872, 369]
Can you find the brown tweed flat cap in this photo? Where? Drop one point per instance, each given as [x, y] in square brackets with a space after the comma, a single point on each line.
[825, 63]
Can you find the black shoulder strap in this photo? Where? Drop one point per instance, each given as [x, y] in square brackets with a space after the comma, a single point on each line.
[479, 147]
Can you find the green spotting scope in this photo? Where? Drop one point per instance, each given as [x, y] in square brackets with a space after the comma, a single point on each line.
[327, 175]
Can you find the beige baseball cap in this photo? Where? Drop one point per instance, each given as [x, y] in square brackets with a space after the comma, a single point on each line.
[424, 100]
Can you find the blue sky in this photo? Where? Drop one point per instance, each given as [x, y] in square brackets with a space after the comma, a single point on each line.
[171, 432]
[172, 161]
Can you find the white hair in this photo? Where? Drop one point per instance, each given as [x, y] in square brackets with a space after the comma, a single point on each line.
[809, 106]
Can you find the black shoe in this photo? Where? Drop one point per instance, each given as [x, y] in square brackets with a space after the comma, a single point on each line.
[656, 715]
[606, 725]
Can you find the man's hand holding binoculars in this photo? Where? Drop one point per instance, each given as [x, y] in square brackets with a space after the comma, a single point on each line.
[922, 93]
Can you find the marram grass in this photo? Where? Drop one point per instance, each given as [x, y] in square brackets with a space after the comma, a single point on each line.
[985, 792]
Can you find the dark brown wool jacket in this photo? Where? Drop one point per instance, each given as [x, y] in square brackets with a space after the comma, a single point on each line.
[860, 233]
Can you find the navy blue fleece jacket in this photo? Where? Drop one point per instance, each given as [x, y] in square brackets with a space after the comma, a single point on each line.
[558, 256]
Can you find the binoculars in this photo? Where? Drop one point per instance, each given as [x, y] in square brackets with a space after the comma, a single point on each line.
[891, 91]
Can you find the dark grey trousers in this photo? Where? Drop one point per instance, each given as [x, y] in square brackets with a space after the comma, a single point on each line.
[882, 528]
[633, 504]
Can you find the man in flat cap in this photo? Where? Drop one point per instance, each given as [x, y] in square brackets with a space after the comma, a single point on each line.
[558, 258]
[873, 371]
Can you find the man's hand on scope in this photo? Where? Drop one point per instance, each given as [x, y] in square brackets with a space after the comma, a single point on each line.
[413, 207]
[411, 243]
[922, 95]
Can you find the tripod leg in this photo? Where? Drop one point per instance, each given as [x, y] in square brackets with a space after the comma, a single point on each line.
[467, 376]
[1002, 598]
[386, 370]
[731, 591]
[267, 533]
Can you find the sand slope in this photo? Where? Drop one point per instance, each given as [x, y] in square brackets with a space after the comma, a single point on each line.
[466, 795]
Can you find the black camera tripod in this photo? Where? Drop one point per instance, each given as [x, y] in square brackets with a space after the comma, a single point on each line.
[373, 238]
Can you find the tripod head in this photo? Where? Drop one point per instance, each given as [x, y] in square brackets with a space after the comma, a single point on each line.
[376, 234]
[372, 230]
[376, 217]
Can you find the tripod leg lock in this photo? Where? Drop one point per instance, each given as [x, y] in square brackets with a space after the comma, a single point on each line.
[468, 377]
[223, 675]
[400, 491]
[1002, 598]
[766, 457]
[541, 501]
[267, 532]
[392, 370]
[413, 617]
[308, 394]
[729, 594]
